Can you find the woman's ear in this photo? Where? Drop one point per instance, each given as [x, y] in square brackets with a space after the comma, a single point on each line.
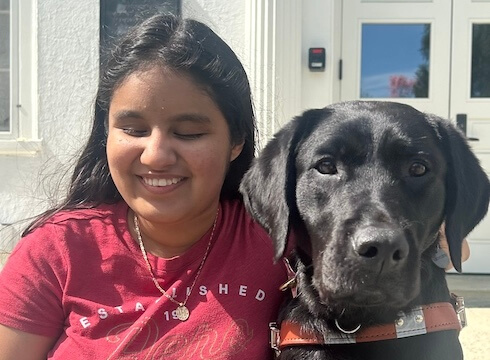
[236, 150]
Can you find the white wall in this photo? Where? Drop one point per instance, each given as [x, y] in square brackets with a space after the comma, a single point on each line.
[320, 22]
[226, 17]
[67, 71]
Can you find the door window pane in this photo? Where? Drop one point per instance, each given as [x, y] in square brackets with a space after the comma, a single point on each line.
[480, 61]
[4, 40]
[4, 66]
[4, 101]
[392, 1]
[395, 60]
[4, 5]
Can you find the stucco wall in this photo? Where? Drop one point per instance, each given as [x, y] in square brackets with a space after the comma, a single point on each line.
[67, 70]
[226, 17]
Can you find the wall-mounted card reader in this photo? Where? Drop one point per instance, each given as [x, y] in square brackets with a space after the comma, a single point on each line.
[316, 59]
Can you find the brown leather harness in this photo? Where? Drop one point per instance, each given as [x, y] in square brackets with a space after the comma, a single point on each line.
[418, 321]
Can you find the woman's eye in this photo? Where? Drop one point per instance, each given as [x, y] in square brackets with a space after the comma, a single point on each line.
[326, 167]
[417, 169]
[134, 132]
[189, 136]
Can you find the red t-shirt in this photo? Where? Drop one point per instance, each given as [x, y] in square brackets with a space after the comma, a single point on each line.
[81, 277]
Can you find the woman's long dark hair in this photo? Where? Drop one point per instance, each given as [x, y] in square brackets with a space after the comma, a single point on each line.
[185, 46]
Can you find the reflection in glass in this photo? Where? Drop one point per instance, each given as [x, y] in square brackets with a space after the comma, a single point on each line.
[480, 61]
[4, 101]
[395, 60]
[4, 40]
[4, 5]
[117, 16]
[4, 65]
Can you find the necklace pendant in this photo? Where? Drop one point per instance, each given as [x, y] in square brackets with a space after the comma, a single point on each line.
[182, 312]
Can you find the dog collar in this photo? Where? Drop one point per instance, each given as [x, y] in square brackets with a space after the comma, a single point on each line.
[420, 320]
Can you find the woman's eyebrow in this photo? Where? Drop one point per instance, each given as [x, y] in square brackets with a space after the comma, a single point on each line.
[191, 117]
[185, 117]
[124, 114]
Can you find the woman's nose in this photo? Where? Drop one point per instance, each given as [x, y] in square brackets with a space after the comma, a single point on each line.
[158, 151]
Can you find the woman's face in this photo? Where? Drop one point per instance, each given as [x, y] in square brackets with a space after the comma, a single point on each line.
[168, 146]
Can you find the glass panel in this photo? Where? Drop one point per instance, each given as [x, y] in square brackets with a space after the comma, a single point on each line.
[4, 41]
[395, 60]
[4, 101]
[398, 1]
[4, 5]
[119, 15]
[480, 61]
[4, 65]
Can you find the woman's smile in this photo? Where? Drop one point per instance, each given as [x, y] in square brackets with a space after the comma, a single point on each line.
[168, 146]
[161, 182]
[159, 186]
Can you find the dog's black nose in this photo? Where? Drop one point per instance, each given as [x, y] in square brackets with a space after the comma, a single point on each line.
[381, 246]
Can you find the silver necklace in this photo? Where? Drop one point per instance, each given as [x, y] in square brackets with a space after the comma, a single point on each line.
[182, 311]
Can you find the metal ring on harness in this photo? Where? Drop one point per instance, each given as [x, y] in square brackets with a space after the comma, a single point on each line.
[347, 331]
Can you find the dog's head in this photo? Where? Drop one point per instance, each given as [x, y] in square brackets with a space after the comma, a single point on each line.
[364, 187]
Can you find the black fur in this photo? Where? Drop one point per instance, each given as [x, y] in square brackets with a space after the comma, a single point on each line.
[363, 188]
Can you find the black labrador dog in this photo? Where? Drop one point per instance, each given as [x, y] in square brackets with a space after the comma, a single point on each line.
[362, 188]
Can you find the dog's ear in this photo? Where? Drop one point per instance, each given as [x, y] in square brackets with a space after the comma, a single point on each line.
[467, 189]
[269, 186]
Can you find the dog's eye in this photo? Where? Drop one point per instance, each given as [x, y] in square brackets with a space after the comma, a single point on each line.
[326, 167]
[417, 169]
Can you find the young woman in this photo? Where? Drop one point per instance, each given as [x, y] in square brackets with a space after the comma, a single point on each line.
[151, 255]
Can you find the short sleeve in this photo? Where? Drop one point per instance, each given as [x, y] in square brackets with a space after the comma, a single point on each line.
[31, 284]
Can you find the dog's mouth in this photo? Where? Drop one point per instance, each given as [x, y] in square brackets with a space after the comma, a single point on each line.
[377, 291]
[363, 299]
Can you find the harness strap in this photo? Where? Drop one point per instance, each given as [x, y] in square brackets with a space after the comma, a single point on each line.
[420, 320]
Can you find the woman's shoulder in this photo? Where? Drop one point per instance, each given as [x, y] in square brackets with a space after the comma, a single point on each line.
[234, 211]
[66, 232]
[101, 212]
[242, 223]
[80, 224]
[238, 220]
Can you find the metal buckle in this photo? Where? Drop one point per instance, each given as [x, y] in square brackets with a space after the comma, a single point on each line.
[275, 337]
[291, 283]
[460, 310]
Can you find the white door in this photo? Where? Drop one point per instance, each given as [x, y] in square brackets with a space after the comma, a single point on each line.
[470, 99]
[433, 55]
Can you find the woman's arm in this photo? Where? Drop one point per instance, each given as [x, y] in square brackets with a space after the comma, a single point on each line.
[16, 344]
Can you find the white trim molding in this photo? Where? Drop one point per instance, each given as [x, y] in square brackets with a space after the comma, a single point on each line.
[23, 139]
[274, 45]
